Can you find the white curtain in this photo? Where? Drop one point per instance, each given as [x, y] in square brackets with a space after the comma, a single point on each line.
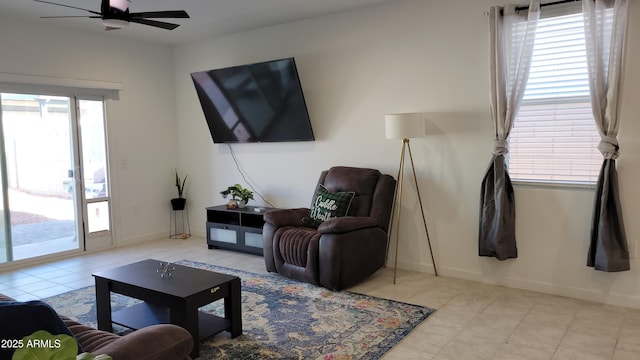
[605, 24]
[512, 39]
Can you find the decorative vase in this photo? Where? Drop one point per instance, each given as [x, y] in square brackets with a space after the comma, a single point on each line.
[232, 204]
[241, 204]
[178, 203]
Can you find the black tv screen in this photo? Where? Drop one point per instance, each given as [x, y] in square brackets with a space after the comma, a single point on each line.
[261, 102]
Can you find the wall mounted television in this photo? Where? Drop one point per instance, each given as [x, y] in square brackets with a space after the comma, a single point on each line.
[261, 102]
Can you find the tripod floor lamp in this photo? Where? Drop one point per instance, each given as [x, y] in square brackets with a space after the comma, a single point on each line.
[405, 126]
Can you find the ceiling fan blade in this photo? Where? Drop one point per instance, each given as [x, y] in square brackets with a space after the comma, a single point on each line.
[68, 6]
[70, 16]
[172, 14]
[160, 24]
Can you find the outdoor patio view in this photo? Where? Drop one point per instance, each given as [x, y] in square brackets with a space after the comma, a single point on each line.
[41, 224]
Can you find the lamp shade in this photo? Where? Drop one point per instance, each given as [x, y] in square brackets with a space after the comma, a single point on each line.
[404, 126]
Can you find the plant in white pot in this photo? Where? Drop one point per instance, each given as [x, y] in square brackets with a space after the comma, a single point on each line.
[180, 202]
[240, 196]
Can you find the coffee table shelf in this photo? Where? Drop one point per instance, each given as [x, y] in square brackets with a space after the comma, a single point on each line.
[145, 314]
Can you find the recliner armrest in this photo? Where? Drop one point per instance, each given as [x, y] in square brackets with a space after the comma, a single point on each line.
[346, 223]
[286, 217]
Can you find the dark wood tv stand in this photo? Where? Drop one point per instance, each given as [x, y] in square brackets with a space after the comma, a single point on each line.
[236, 229]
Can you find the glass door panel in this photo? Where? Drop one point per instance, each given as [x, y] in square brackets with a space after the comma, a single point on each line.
[95, 172]
[94, 153]
[38, 146]
[5, 231]
[98, 216]
[5, 243]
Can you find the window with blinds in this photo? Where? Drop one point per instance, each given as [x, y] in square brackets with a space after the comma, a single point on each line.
[554, 137]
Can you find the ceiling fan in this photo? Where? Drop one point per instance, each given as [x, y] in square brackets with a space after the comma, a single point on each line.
[115, 15]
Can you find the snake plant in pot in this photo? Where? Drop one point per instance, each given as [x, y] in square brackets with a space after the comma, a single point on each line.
[180, 202]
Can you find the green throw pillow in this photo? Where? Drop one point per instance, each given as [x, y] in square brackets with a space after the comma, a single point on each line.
[328, 205]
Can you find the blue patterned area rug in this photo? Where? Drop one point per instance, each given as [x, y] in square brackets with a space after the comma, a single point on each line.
[285, 319]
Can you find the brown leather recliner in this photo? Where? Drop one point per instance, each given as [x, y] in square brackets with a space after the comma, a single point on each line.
[342, 251]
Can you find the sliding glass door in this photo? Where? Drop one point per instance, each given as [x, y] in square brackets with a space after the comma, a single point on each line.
[53, 184]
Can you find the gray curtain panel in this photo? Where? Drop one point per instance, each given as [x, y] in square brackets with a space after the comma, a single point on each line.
[608, 250]
[605, 25]
[497, 213]
[512, 36]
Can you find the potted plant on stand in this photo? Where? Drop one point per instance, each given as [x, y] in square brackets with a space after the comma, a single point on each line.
[240, 196]
[179, 203]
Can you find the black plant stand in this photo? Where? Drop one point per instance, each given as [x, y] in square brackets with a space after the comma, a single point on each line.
[179, 223]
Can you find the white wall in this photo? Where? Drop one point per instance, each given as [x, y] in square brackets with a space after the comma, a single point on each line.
[355, 67]
[410, 56]
[141, 124]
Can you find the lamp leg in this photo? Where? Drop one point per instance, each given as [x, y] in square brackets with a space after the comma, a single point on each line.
[392, 217]
[398, 205]
[395, 200]
[424, 220]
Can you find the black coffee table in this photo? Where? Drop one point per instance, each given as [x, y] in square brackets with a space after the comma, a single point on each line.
[171, 299]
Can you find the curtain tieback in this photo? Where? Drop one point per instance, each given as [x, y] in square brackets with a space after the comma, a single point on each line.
[608, 147]
[500, 147]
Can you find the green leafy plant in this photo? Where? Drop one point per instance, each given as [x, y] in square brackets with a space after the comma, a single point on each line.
[180, 184]
[237, 192]
[42, 345]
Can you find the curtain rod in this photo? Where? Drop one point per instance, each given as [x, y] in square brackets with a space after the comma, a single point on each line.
[526, 7]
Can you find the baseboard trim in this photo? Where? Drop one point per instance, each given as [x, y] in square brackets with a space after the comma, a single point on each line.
[141, 238]
[610, 298]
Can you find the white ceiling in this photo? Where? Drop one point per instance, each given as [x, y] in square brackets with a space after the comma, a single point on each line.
[208, 18]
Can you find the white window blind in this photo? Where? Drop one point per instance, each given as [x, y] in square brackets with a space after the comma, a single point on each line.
[554, 137]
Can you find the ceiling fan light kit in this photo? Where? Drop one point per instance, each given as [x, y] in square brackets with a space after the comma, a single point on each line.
[121, 5]
[115, 15]
[115, 23]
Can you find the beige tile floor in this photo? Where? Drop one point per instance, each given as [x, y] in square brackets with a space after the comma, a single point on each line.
[472, 321]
